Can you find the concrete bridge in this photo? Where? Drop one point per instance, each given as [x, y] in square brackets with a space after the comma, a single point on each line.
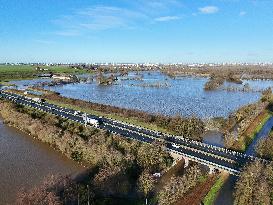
[212, 156]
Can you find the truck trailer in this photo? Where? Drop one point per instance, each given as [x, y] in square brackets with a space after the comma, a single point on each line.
[92, 121]
[38, 100]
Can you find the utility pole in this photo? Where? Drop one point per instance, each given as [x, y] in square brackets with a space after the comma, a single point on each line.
[88, 197]
[78, 195]
[84, 116]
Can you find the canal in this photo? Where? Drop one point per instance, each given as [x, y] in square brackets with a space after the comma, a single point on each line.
[25, 162]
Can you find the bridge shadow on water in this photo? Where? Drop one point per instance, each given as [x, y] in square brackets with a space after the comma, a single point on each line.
[225, 196]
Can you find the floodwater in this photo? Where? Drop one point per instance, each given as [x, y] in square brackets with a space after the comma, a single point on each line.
[23, 84]
[225, 195]
[24, 162]
[214, 138]
[184, 96]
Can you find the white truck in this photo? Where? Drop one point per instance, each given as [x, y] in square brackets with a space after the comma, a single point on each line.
[92, 121]
[175, 145]
[38, 100]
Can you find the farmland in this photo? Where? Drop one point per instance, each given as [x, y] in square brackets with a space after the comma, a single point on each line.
[17, 72]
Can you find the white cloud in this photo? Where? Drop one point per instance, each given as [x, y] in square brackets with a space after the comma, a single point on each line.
[208, 10]
[167, 18]
[242, 13]
[98, 18]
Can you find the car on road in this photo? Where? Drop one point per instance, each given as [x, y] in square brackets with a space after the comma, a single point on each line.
[175, 145]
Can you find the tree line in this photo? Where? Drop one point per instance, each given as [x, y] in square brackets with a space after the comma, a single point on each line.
[255, 185]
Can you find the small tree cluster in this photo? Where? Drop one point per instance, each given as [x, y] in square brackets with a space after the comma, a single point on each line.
[265, 147]
[255, 185]
[177, 187]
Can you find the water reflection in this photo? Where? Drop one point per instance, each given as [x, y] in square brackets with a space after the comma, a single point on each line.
[214, 138]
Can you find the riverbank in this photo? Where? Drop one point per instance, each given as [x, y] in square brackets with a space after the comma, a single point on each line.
[255, 127]
[249, 135]
[242, 125]
[113, 158]
[25, 162]
[211, 196]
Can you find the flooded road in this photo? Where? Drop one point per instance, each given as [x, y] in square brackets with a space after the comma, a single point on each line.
[24, 162]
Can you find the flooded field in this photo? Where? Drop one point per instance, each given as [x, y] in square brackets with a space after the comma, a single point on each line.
[25, 162]
[23, 84]
[184, 96]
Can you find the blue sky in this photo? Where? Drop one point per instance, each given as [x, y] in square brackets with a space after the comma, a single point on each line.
[136, 31]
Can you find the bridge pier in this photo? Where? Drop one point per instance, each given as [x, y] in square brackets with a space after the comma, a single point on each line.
[176, 158]
[211, 170]
[186, 162]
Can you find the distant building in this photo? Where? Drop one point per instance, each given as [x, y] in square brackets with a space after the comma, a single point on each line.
[62, 77]
[41, 69]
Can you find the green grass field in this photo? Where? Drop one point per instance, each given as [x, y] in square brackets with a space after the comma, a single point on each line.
[250, 138]
[211, 196]
[17, 72]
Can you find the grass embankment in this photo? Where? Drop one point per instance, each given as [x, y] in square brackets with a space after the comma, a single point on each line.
[253, 129]
[212, 194]
[188, 127]
[130, 120]
[18, 72]
[134, 121]
[258, 128]
[195, 194]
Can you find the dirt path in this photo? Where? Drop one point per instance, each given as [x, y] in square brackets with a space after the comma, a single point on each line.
[197, 194]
